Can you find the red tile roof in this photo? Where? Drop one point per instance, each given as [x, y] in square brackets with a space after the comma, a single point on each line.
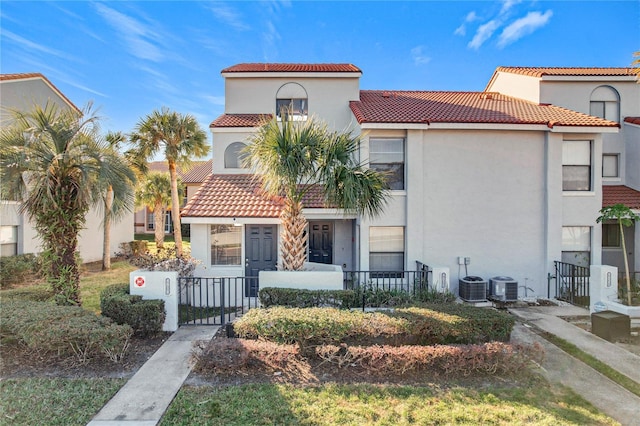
[620, 194]
[567, 71]
[632, 120]
[240, 196]
[268, 67]
[377, 106]
[240, 120]
[196, 174]
[31, 75]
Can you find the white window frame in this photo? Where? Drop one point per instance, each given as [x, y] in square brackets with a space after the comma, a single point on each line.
[608, 158]
[378, 155]
[386, 241]
[298, 107]
[233, 155]
[576, 245]
[226, 231]
[605, 103]
[577, 155]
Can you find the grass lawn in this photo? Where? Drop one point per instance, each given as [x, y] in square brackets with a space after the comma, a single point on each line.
[536, 403]
[54, 401]
[92, 283]
[168, 242]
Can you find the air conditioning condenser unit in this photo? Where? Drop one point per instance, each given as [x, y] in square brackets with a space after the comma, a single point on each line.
[504, 289]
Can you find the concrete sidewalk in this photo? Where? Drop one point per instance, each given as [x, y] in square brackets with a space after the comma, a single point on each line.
[606, 395]
[146, 396]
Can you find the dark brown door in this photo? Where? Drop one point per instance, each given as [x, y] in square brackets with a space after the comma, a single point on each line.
[321, 242]
[261, 253]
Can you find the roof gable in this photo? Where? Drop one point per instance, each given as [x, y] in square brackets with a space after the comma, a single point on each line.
[37, 75]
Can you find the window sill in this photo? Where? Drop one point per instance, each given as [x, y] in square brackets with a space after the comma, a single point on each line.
[611, 179]
[578, 193]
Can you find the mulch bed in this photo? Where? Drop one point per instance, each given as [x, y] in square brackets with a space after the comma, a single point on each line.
[16, 361]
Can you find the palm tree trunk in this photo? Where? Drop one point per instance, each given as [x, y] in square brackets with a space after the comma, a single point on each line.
[294, 238]
[175, 208]
[158, 225]
[106, 242]
[626, 263]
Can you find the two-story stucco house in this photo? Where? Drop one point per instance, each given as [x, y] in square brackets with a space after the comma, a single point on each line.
[478, 175]
[17, 235]
[610, 93]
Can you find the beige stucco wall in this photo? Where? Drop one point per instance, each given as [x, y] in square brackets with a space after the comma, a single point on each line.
[328, 97]
[632, 147]
[22, 95]
[520, 86]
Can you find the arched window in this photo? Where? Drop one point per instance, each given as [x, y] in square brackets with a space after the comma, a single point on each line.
[291, 102]
[233, 156]
[605, 103]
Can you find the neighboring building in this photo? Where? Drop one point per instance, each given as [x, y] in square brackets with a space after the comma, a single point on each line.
[191, 179]
[610, 93]
[20, 92]
[500, 180]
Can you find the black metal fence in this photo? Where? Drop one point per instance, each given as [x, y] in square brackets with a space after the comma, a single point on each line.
[572, 283]
[215, 301]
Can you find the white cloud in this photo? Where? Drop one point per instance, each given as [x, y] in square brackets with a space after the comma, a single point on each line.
[462, 29]
[419, 56]
[141, 40]
[30, 45]
[228, 16]
[485, 31]
[507, 5]
[523, 26]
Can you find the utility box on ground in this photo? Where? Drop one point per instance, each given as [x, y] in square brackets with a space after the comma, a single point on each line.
[610, 325]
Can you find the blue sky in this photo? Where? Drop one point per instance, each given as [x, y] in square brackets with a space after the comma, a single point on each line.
[130, 58]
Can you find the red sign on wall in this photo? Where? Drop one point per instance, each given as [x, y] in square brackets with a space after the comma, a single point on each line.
[139, 282]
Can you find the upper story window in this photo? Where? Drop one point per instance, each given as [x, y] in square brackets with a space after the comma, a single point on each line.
[605, 103]
[610, 168]
[576, 166]
[292, 102]
[233, 155]
[387, 155]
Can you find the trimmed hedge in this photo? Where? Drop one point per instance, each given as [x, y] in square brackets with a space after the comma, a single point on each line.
[19, 268]
[68, 331]
[146, 317]
[438, 324]
[302, 298]
[39, 293]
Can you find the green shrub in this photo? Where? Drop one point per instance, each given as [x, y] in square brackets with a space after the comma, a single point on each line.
[438, 324]
[18, 269]
[375, 297]
[456, 323]
[302, 298]
[67, 331]
[146, 317]
[37, 293]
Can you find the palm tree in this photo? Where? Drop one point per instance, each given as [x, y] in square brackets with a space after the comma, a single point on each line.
[182, 139]
[625, 217]
[154, 193]
[55, 162]
[115, 209]
[291, 157]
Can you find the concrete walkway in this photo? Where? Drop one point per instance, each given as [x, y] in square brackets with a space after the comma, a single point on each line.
[145, 397]
[606, 395]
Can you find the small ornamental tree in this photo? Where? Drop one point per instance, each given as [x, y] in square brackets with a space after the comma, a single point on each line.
[291, 157]
[625, 217]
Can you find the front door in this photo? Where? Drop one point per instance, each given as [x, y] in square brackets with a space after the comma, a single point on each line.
[261, 253]
[321, 242]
